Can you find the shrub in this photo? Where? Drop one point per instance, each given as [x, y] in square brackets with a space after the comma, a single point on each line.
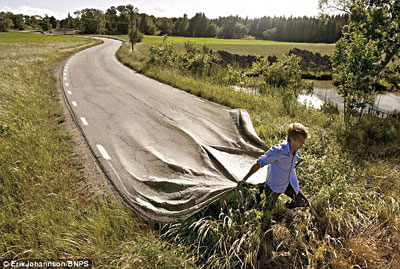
[164, 54]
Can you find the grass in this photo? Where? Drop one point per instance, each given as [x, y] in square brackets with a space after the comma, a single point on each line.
[44, 214]
[351, 176]
[243, 47]
[35, 37]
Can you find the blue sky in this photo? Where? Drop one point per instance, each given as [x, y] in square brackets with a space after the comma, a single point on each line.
[171, 8]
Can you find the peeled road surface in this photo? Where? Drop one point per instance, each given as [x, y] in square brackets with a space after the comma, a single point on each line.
[168, 153]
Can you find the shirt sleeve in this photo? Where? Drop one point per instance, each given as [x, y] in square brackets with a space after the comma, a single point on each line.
[269, 157]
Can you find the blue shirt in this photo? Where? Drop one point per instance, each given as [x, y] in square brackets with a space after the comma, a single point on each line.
[281, 171]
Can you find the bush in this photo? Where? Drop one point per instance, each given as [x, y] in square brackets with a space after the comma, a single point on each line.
[164, 54]
[198, 59]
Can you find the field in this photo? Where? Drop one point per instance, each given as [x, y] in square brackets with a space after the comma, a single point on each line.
[243, 47]
[35, 37]
[47, 210]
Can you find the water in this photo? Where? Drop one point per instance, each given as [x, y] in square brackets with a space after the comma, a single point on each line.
[326, 91]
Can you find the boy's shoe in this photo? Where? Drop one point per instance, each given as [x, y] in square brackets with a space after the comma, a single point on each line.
[290, 205]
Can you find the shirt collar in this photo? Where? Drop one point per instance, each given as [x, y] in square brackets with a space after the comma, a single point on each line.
[287, 148]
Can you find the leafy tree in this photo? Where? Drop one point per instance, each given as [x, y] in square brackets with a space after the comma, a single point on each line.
[198, 25]
[361, 60]
[212, 30]
[354, 68]
[181, 26]
[5, 22]
[18, 21]
[124, 20]
[165, 25]
[269, 33]
[147, 25]
[233, 29]
[134, 34]
[53, 21]
[31, 21]
[45, 23]
[92, 21]
[111, 20]
[326, 6]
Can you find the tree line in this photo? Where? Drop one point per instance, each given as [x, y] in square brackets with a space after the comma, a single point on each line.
[117, 20]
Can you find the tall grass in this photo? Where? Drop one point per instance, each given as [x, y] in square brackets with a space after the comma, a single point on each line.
[351, 177]
[44, 214]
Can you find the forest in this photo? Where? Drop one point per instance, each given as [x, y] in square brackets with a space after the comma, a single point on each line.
[117, 21]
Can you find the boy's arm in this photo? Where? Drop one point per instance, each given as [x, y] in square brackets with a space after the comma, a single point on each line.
[252, 170]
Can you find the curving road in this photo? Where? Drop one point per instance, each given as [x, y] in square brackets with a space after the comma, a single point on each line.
[167, 152]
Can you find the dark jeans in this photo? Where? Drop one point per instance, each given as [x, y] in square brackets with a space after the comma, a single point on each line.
[298, 200]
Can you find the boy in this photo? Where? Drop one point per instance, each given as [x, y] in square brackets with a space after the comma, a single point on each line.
[281, 176]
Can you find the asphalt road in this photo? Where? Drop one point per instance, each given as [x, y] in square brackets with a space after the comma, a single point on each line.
[168, 153]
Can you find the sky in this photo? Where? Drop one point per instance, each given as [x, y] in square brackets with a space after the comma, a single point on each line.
[170, 8]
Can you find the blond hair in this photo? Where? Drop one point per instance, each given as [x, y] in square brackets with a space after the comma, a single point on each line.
[297, 130]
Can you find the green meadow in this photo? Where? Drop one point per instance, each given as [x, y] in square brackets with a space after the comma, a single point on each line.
[35, 37]
[242, 46]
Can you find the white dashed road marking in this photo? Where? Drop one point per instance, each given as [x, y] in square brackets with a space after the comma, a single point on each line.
[84, 121]
[69, 92]
[198, 99]
[103, 152]
[74, 103]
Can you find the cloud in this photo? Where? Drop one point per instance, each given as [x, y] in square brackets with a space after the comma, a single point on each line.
[160, 10]
[31, 11]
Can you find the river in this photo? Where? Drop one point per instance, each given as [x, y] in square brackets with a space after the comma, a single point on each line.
[326, 91]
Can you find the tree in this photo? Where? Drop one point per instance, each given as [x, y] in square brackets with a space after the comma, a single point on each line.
[181, 26]
[354, 65]
[18, 21]
[211, 30]
[111, 21]
[5, 22]
[45, 23]
[53, 21]
[123, 20]
[233, 29]
[198, 25]
[370, 42]
[165, 25]
[147, 25]
[134, 34]
[269, 33]
[31, 21]
[326, 6]
[92, 21]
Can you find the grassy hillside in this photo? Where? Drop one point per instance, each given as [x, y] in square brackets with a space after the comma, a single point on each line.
[45, 213]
